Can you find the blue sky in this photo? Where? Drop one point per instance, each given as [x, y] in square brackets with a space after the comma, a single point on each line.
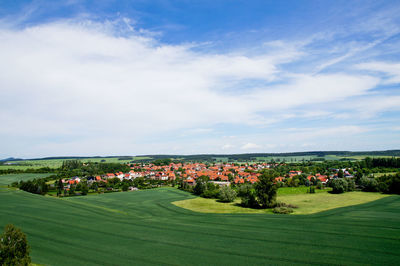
[189, 77]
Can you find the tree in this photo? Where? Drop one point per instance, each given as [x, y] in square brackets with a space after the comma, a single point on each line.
[340, 174]
[84, 188]
[201, 185]
[248, 195]
[71, 190]
[339, 185]
[14, 248]
[125, 186]
[266, 190]
[369, 184]
[226, 194]
[60, 187]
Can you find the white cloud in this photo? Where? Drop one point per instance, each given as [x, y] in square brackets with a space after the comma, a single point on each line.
[83, 88]
[392, 70]
[250, 146]
[227, 146]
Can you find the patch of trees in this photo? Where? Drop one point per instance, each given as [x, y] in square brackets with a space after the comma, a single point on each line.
[41, 170]
[36, 186]
[77, 168]
[206, 189]
[382, 162]
[389, 184]
[162, 162]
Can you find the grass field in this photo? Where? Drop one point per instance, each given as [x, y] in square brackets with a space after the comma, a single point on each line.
[307, 203]
[8, 179]
[55, 163]
[144, 228]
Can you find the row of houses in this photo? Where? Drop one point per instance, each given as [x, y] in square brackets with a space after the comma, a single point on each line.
[189, 172]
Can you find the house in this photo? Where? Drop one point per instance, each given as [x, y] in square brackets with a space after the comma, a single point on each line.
[221, 183]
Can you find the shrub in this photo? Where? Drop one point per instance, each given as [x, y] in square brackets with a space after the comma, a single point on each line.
[210, 193]
[282, 204]
[351, 185]
[226, 194]
[339, 185]
[282, 210]
[369, 184]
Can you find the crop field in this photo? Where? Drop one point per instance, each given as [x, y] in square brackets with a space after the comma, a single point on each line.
[55, 163]
[143, 227]
[8, 179]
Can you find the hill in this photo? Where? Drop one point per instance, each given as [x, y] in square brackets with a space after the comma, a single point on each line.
[235, 157]
[145, 228]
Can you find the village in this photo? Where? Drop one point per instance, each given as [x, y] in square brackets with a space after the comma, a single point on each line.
[219, 173]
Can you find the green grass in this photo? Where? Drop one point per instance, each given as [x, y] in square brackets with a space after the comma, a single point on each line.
[318, 202]
[8, 179]
[203, 205]
[299, 190]
[144, 228]
[307, 203]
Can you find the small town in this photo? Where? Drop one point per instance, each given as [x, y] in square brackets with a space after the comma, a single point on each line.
[221, 174]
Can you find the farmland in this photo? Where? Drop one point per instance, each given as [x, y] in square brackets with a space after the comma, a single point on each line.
[297, 157]
[8, 179]
[55, 163]
[145, 228]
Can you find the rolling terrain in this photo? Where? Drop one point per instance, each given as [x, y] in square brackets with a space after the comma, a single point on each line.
[143, 228]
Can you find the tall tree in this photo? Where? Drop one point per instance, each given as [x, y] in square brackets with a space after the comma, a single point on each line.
[14, 248]
[266, 189]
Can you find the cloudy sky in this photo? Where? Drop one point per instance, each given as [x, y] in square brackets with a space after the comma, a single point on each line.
[190, 77]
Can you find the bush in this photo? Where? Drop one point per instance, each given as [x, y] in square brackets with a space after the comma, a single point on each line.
[282, 204]
[369, 184]
[226, 194]
[210, 193]
[339, 185]
[351, 185]
[14, 248]
[282, 210]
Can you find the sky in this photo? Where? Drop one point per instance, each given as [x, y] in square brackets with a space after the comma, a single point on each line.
[98, 78]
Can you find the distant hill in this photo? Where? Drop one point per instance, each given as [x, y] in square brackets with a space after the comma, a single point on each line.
[244, 156]
[10, 159]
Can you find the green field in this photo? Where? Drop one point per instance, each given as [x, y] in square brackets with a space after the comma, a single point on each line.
[143, 228]
[55, 163]
[307, 203]
[8, 179]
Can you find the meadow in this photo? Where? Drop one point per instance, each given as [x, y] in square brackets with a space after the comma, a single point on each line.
[307, 203]
[145, 228]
